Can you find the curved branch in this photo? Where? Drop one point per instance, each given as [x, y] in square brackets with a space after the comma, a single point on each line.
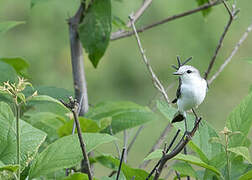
[122, 33]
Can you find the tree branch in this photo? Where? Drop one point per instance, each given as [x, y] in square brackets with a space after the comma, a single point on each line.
[140, 11]
[120, 165]
[156, 82]
[232, 15]
[242, 39]
[80, 84]
[122, 33]
[73, 106]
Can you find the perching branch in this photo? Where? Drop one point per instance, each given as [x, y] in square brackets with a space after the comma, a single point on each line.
[122, 34]
[242, 39]
[232, 14]
[179, 147]
[156, 82]
[73, 106]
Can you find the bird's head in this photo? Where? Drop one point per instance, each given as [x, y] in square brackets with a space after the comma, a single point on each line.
[187, 72]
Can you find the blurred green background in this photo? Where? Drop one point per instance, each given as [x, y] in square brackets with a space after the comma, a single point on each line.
[121, 75]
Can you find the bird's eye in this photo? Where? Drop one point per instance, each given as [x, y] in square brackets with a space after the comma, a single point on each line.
[188, 71]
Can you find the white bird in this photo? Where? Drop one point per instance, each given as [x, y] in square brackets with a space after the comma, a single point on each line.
[190, 93]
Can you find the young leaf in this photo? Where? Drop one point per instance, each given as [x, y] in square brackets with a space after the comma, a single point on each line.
[87, 125]
[95, 30]
[31, 138]
[65, 152]
[184, 169]
[157, 154]
[7, 25]
[10, 167]
[19, 64]
[241, 151]
[205, 12]
[124, 115]
[240, 119]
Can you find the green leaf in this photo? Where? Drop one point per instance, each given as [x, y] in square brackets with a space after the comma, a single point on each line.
[246, 176]
[47, 122]
[19, 64]
[118, 23]
[240, 119]
[65, 152]
[95, 30]
[205, 12]
[7, 25]
[184, 169]
[124, 115]
[157, 154]
[7, 73]
[112, 163]
[87, 125]
[78, 176]
[196, 161]
[31, 138]
[202, 136]
[44, 103]
[241, 151]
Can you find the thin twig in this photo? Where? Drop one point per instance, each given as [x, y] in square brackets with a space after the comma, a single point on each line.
[140, 11]
[231, 18]
[185, 152]
[155, 80]
[134, 138]
[120, 165]
[73, 106]
[122, 34]
[178, 175]
[242, 39]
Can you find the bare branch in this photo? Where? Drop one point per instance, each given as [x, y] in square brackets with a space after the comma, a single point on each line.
[140, 11]
[122, 34]
[120, 165]
[155, 80]
[231, 18]
[243, 38]
[134, 138]
[73, 106]
[125, 142]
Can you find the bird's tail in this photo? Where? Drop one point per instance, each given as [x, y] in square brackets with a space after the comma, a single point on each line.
[178, 117]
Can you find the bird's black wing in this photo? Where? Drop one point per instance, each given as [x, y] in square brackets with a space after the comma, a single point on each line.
[178, 93]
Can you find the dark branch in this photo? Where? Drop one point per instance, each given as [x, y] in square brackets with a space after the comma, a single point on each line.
[180, 146]
[120, 165]
[73, 106]
[122, 34]
[231, 18]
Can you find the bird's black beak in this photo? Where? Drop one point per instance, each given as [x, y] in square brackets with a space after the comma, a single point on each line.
[177, 73]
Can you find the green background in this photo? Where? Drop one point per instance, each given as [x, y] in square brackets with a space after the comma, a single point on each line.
[121, 74]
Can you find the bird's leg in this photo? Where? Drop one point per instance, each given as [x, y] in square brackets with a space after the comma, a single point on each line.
[196, 116]
[185, 126]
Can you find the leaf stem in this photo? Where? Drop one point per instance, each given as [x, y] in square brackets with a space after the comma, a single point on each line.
[17, 108]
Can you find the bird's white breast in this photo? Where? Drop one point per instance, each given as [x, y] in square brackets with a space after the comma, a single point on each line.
[193, 93]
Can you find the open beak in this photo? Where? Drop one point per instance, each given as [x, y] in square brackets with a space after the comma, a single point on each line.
[177, 73]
